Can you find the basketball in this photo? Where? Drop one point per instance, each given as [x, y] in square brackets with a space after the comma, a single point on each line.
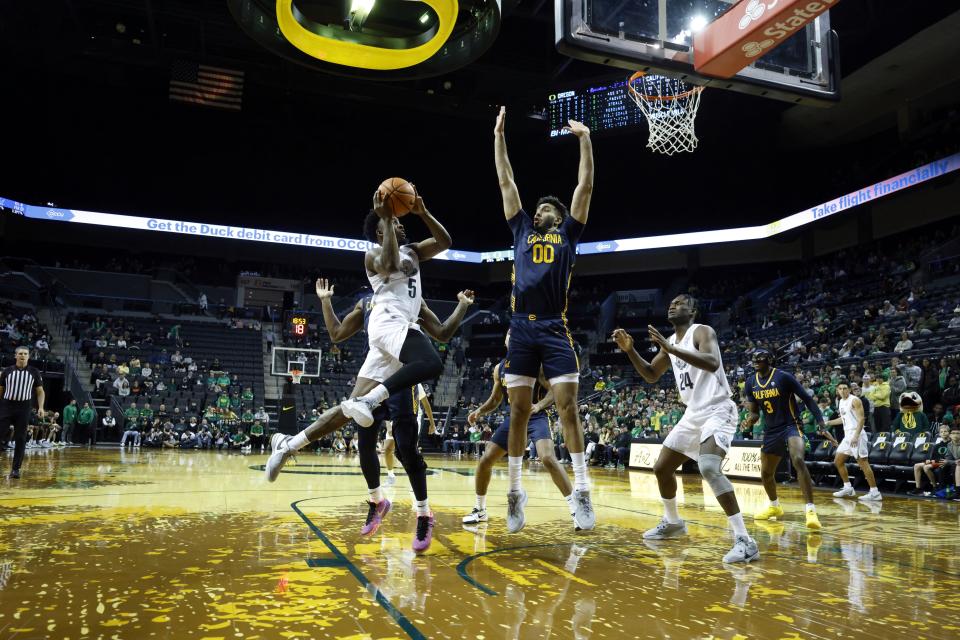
[398, 196]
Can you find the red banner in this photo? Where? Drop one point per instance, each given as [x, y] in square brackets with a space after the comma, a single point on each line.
[749, 30]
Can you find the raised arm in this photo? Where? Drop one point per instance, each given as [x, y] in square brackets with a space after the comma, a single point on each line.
[508, 188]
[649, 371]
[491, 403]
[442, 332]
[337, 329]
[384, 259]
[580, 204]
[707, 355]
[440, 240]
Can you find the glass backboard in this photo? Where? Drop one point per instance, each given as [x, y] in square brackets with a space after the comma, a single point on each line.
[656, 36]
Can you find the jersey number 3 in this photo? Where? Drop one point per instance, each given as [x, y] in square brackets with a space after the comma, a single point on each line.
[412, 287]
[685, 381]
[769, 407]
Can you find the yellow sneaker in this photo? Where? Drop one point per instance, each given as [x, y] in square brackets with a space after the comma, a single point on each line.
[769, 513]
[813, 522]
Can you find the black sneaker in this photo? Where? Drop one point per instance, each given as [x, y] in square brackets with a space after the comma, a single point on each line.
[15, 474]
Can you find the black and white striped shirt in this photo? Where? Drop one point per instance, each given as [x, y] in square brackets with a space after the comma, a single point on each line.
[18, 384]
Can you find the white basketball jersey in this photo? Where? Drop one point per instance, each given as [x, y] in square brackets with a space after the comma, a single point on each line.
[699, 389]
[397, 297]
[845, 407]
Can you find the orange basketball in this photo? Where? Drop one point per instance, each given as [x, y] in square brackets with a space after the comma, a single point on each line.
[398, 196]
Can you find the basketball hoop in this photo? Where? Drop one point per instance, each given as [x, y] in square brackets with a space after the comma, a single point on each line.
[670, 107]
[296, 374]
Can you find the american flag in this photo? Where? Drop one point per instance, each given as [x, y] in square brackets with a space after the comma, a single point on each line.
[205, 85]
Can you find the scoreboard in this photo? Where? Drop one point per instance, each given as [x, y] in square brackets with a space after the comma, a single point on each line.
[299, 324]
[603, 107]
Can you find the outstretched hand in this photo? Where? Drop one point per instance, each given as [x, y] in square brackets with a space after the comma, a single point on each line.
[623, 339]
[472, 417]
[577, 128]
[418, 207]
[324, 288]
[378, 206]
[657, 338]
[501, 118]
[466, 296]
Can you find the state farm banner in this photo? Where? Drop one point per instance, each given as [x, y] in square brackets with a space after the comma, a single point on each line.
[749, 30]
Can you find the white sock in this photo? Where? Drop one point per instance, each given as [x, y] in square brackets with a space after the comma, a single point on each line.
[811, 507]
[376, 495]
[670, 510]
[515, 467]
[775, 503]
[376, 396]
[390, 472]
[874, 490]
[847, 485]
[736, 521]
[482, 503]
[580, 480]
[298, 441]
[423, 507]
[570, 503]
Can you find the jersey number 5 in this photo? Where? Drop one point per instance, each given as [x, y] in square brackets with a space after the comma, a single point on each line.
[412, 287]
[685, 382]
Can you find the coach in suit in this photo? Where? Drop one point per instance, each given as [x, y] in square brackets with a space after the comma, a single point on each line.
[19, 384]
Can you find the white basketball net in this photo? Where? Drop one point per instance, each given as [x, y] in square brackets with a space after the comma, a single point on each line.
[670, 108]
[296, 375]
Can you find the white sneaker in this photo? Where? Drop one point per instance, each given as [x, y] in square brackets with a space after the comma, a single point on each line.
[666, 529]
[476, 516]
[583, 516]
[358, 411]
[744, 550]
[281, 453]
[871, 495]
[845, 492]
[391, 479]
[516, 501]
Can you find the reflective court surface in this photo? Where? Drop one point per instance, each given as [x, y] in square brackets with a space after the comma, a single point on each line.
[163, 544]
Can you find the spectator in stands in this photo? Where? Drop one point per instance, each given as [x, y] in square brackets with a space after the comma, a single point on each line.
[878, 393]
[147, 412]
[905, 343]
[955, 320]
[146, 371]
[257, 438]
[204, 435]
[927, 324]
[69, 420]
[108, 422]
[911, 420]
[952, 458]
[621, 447]
[898, 383]
[939, 418]
[930, 388]
[122, 385]
[951, 395]
[132, 431]
[42, 348]
[912, 375]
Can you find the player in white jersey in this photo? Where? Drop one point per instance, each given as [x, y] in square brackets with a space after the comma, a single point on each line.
[855, 443]
[400, 356]
[707, 427]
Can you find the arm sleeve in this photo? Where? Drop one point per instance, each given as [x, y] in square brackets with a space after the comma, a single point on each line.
[521, 225]
[573, 229]
[807, 399]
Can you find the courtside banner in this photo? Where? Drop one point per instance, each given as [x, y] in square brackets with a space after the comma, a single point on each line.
[740, 461]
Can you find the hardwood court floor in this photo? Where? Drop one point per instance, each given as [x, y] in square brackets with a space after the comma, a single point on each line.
[157, 544]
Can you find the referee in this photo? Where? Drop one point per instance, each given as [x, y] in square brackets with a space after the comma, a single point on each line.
[18, 385]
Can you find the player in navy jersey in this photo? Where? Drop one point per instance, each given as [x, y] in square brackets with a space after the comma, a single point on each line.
[545, 249]
[538, 430]
[775, 392]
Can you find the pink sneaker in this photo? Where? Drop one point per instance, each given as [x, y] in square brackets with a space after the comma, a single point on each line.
[424, 535]
[378, 511]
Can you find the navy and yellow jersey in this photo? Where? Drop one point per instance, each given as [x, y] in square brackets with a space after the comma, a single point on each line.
[542, 266]
[776, 398]
[539, 392]
[367, 302]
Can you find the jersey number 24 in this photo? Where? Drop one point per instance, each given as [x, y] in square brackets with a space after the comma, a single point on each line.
[685, 381]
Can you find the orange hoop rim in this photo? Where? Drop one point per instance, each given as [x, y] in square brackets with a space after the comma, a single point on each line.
[296, 374]
[639, 74]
